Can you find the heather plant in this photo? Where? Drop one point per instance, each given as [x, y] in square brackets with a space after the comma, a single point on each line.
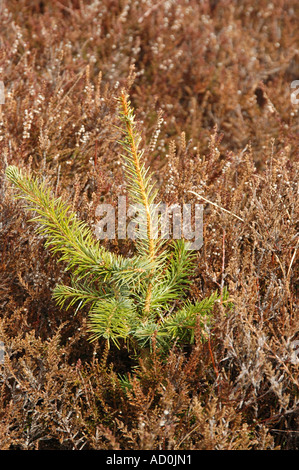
[129, 298]
[213, 79]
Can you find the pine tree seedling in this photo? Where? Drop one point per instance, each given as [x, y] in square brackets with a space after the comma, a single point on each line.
[129, 299]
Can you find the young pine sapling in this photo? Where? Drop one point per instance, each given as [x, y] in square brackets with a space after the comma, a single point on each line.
[130, 299]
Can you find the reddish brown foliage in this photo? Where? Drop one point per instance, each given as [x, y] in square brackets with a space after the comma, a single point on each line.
[220, 72]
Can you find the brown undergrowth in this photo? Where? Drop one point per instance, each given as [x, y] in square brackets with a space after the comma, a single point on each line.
[210, 82]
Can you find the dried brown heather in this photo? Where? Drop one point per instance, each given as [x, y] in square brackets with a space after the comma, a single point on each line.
[219, 75]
